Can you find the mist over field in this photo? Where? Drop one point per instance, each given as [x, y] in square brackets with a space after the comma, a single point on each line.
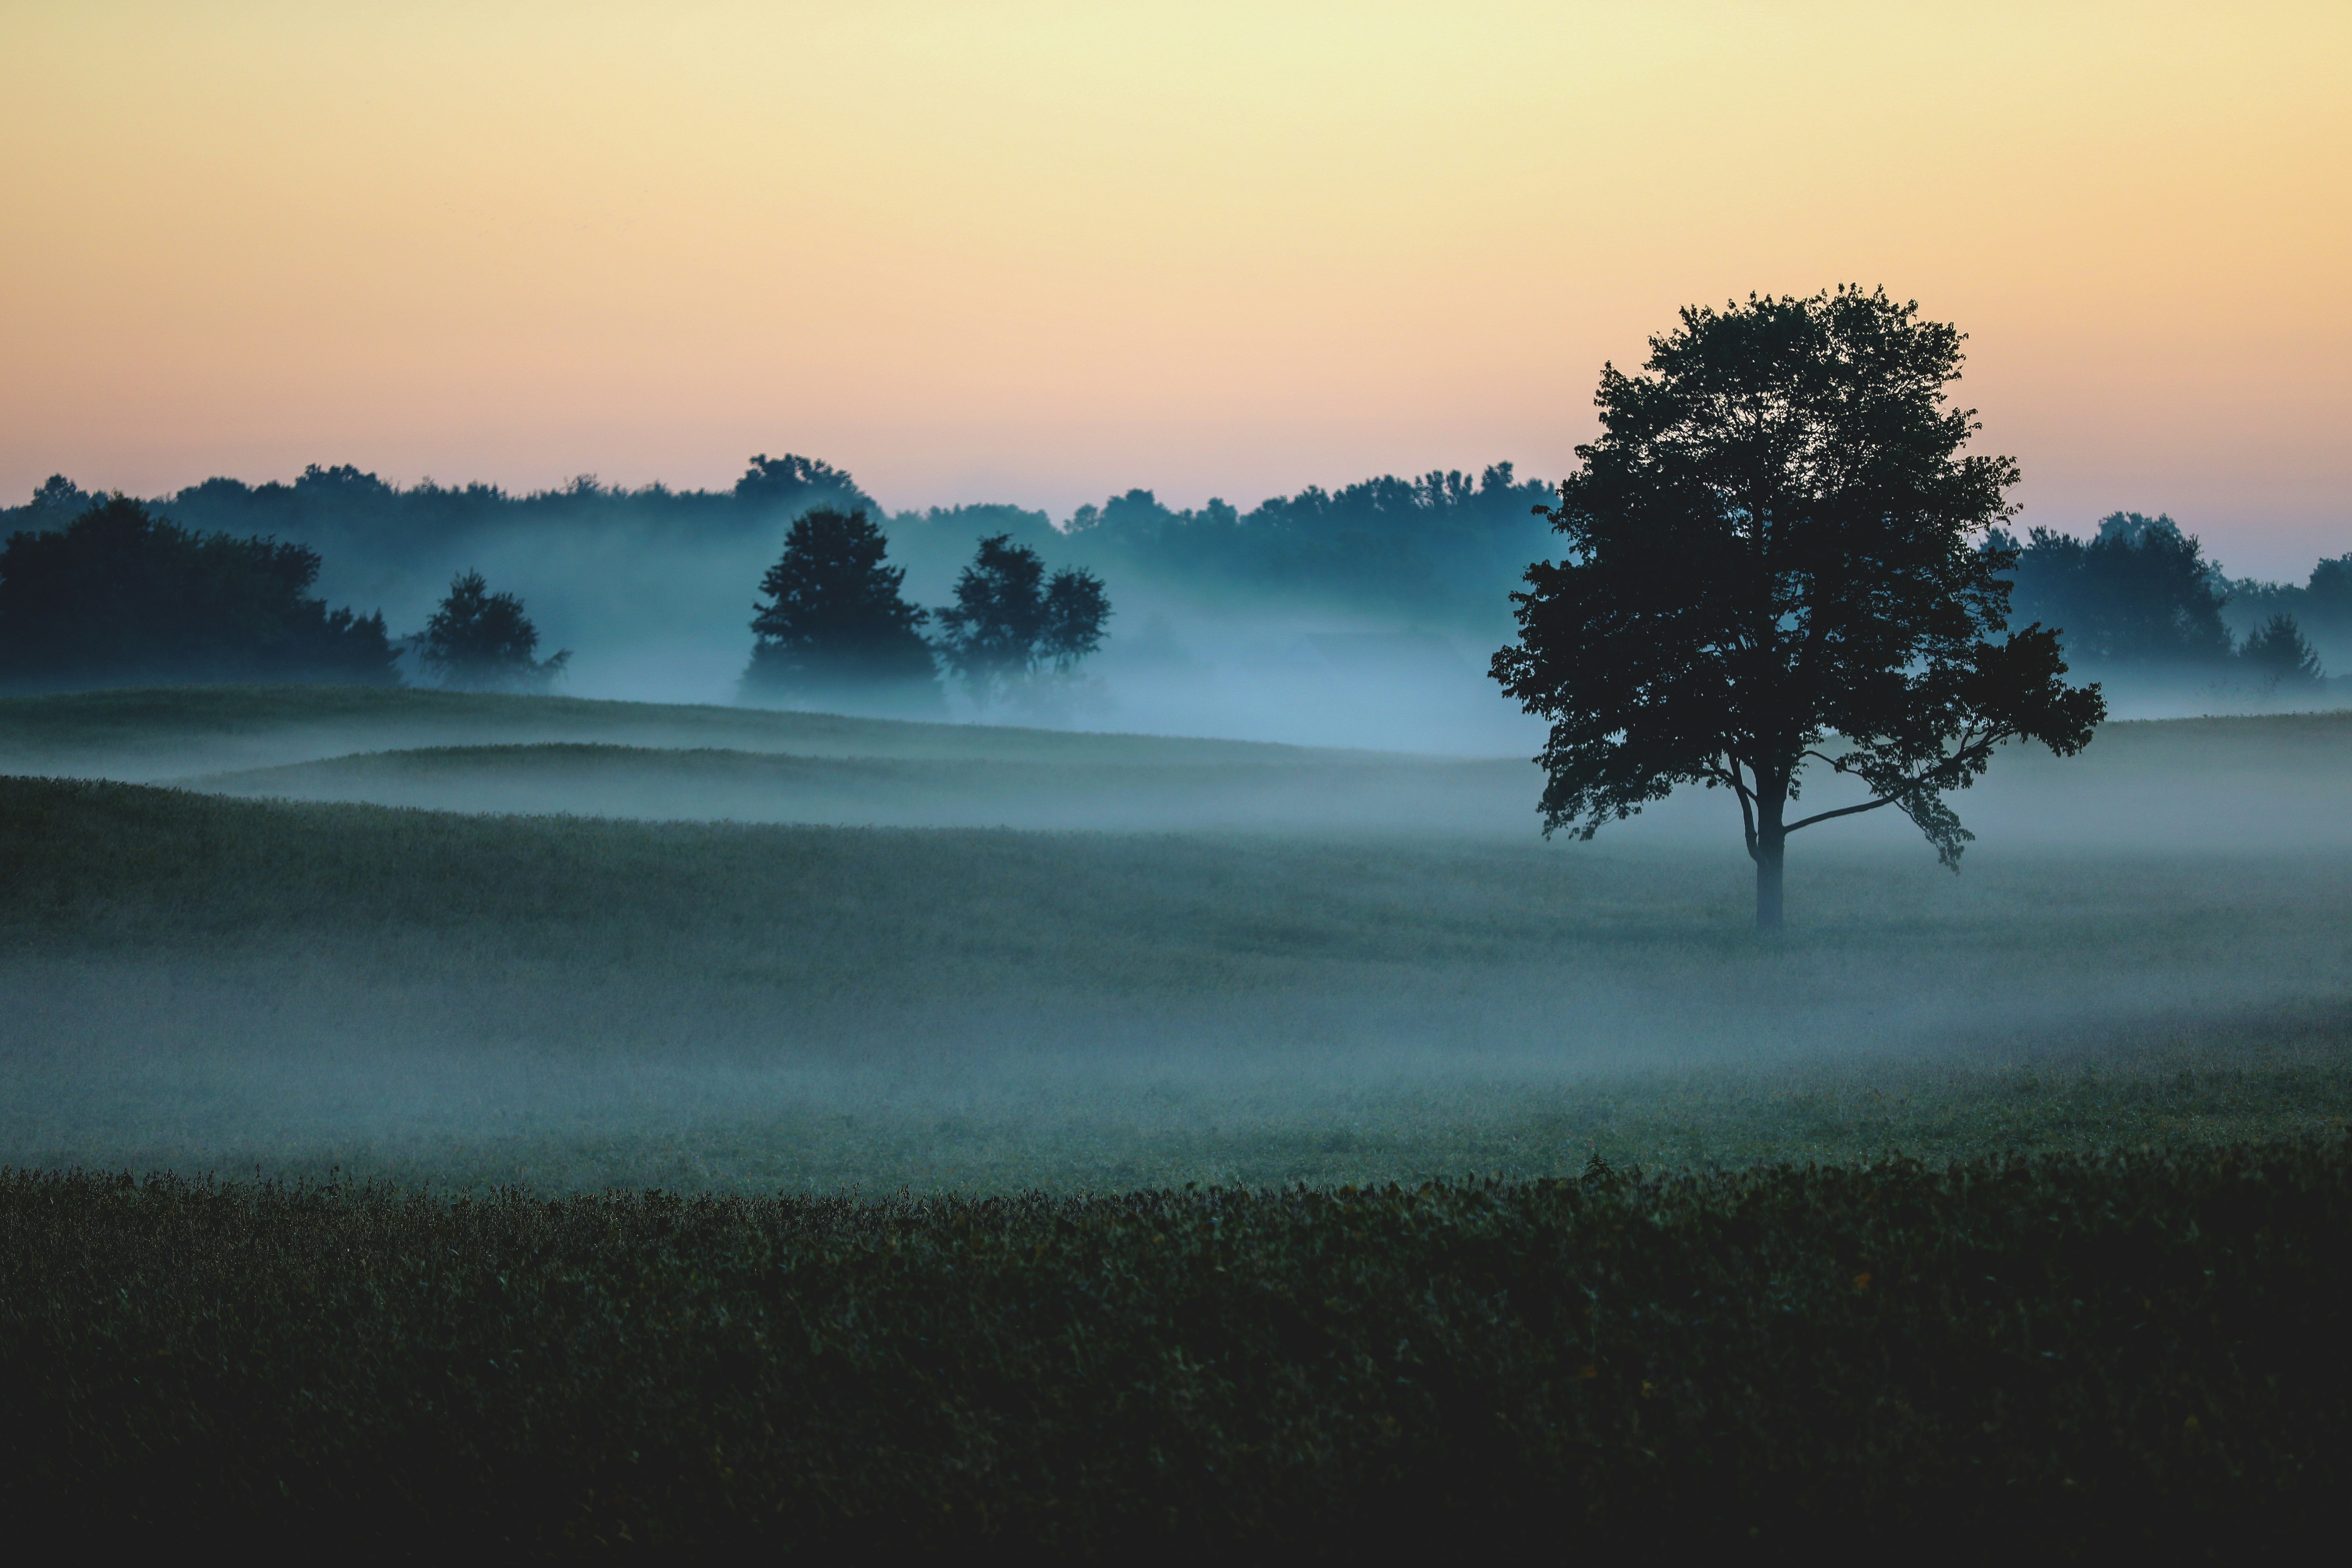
[1447, 849]
[1364, 616]
[1256, 892]
[720, 946]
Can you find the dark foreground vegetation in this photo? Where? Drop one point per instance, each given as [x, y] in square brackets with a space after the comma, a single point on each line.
[2070, 1352]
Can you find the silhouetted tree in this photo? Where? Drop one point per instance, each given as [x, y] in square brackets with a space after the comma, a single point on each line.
[833, 627]
[481, 641]
[2280, 659]
[1009, 625]
[1771, 545]
[116, 597]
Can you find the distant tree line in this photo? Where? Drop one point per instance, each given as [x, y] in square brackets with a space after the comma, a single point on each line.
[2138, 599]
[1436, 548]
[111, 594]
[118, 596]
[114, 594]
[1439, 549]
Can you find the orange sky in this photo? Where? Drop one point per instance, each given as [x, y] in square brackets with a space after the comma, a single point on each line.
[1038, 252]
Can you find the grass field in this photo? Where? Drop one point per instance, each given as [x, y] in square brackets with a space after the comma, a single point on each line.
[2062, 1359]
[171, 732]
[866, 1138]
[209, 983]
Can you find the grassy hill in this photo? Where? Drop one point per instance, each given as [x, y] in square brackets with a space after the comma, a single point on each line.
[2268, 784]
[1157, 1076]
[203, 981]
[178, 731]
[1309, 792]
[1260, 962]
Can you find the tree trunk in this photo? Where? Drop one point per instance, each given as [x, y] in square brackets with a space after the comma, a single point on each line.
[1771, 851]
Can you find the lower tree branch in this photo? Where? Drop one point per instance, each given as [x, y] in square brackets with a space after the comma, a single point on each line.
[1972, 747]
[1843, 811]
[1730, 775]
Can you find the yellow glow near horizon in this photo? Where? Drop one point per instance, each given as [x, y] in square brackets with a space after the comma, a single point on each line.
[1033, 252]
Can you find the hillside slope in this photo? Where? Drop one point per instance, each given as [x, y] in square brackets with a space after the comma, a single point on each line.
[170, 732]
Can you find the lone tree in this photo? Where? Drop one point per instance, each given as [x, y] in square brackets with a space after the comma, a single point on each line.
[1772, 558]
[481, 641]
[833, 627]
[1010, 626]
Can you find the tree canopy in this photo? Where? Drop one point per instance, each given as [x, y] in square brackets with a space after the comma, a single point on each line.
[116, 595]
[1772, 558]
[794, 482]
[1011, 631]
[833, 627]
[481, 641]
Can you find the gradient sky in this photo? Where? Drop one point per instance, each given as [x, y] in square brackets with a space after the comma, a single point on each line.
[1037, 253]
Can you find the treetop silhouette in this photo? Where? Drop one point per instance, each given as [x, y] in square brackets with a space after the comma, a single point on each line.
[1011, 632]
[1773, 557]
[481, 641]
[833, 628]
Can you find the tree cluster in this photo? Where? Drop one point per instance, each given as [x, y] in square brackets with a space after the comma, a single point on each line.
[115, 595]
[111, 595]
[1009, 627]
[2139, 601]
[834, 627]
[481, 641]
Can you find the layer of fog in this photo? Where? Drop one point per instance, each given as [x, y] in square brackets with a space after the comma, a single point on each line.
[2176, 877]
[431, 1058]
[158, 1069]
[2214, 786]
[666, 618]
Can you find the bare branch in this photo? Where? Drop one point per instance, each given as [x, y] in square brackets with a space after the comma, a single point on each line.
[1843, 811]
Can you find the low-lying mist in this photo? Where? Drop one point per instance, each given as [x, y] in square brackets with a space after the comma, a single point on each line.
[1256, 963]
